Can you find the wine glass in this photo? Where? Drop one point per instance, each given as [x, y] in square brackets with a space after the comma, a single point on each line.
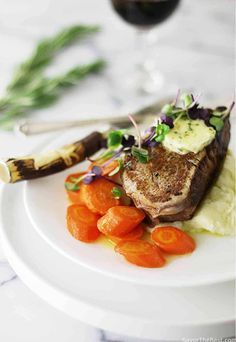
[144, 15]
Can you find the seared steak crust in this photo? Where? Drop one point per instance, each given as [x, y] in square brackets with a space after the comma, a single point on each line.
[170, 186]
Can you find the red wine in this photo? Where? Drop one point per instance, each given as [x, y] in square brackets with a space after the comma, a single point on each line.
[145, 12]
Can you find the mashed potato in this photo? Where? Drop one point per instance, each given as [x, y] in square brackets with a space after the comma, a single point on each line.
[216, 213]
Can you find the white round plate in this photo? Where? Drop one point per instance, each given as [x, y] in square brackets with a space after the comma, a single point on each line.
[108, 303]
[213, 261]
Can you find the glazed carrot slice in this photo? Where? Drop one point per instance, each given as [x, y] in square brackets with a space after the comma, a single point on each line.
[75, 196]
[98, 196]
[141, 253]
[82, 223]
[120, 220]
[135, 234]
[173, 240]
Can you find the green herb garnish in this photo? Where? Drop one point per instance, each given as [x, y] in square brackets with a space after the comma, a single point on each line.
[161, 131]
[220, 111]
[116, 192]
[140, 153]
[168, 109]
[192, 111]
[217, 113]
[187, 100]
[74, 184]
[216, 122]
[105, 155]
[71, 186]
[114, 139]
[77, 180]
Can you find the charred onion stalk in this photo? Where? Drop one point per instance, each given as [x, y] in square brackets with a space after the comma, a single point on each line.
[34, 166]
[13, 170]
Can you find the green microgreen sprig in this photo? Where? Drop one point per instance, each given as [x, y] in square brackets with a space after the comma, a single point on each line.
[187, 100]
[137, 151]
[116, 192]
[72, 186]
[114, 139]
[140, 153]
[217, 123]
[161, 131]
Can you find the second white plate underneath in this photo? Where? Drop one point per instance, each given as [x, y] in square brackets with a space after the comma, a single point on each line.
[119, 306]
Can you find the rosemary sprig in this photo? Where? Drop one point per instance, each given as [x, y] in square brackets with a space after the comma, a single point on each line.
[45, 91]
[45, 51]
[29, 89]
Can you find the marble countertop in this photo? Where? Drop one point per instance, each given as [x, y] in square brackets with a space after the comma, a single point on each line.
[195, 51]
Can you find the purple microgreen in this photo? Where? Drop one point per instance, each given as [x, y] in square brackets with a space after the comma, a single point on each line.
[128, 141]
[116, 192]
[88, 178]
[195, 101]
[199, 113]
[204, 114]
[137, 130]
[193, 112]
[115, 156]
[167, 120]
[153, 143]
[176, 98]
[151, 133]
[96, 170]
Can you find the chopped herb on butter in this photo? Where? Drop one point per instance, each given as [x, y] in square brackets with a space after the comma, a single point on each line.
[189, 136]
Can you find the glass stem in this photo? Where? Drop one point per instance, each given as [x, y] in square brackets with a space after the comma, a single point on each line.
[149, 76]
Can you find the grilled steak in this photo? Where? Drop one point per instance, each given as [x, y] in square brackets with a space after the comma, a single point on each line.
[170, 186]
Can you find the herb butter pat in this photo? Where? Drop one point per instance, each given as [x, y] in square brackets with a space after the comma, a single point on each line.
[189, 136]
